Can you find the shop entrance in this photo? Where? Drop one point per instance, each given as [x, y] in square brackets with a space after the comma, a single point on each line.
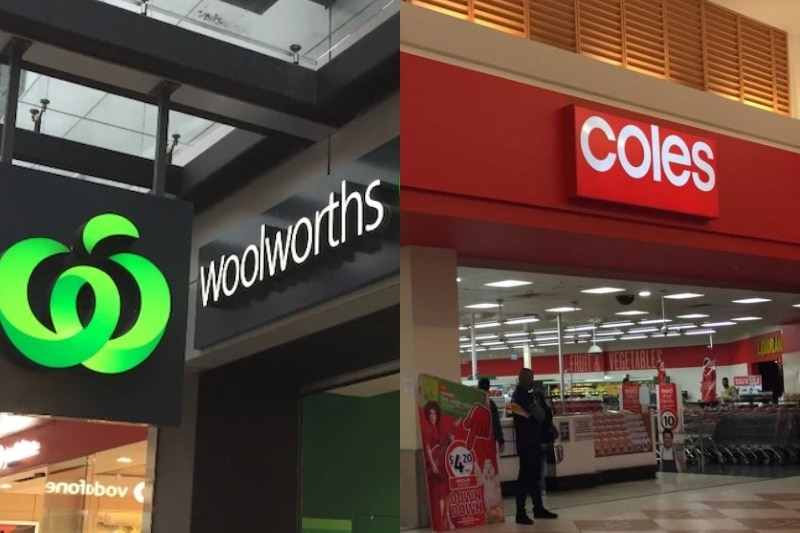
[598, 347]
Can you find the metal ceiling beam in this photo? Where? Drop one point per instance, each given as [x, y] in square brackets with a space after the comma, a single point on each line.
[89, 160]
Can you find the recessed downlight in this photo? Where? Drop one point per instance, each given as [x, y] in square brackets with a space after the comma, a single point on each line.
[458, 280]
[602, 290]
[683, 296]
[644, 294]
[126, 460]
[752, 300]
[631, 313]
[483, 306]
[509, 283]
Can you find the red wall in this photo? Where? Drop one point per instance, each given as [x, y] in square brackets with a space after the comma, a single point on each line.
[487, 166]
[63, 440]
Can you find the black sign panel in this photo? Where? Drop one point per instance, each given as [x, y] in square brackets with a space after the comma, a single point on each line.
[93, 299]
[331, 240]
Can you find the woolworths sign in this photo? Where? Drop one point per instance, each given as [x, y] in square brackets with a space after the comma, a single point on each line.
[347, 217]
[337, 236]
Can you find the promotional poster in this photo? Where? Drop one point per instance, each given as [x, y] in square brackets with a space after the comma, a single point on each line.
[461, 467]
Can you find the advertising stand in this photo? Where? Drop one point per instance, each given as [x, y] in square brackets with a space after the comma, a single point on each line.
[461, 467]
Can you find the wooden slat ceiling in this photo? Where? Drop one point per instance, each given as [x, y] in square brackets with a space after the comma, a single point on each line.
[692, 42]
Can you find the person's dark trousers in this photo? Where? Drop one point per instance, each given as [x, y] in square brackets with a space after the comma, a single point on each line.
[530, 471]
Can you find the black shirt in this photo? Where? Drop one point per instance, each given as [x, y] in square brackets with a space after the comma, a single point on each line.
[527, 430]
[496, 427]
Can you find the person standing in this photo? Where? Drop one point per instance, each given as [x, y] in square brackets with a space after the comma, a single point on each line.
[729, 394]
[528, 419]
[497, 429]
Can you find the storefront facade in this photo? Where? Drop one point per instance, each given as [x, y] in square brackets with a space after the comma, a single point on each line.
[511, 186]
[276, 355]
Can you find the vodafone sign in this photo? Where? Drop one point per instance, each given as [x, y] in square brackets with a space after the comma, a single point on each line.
[644, 164]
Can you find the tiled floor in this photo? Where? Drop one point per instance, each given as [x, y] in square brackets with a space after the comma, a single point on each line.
[673, 503]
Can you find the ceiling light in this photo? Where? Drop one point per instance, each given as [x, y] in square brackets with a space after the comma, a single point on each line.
[481, 325]
[462, 328]
[746, 318]
[616, 324]
[5, 486]
[673, 334]
[642, 330]
[631, 313]
[483, 306]
[485, 337]
[545, 331]
[584, 335]
[654, 321]
[609, 333]
[547, 344]
[644, 294]
[492, 343]
[682, 326]
[700, 332]
[580, 328]
[693, 315]
[716, 324]
[499, 348]
[518, 334]
[603, 290]
[480, 349]
[458, 280]
[633, 337]
[124, 460]
[752, 301]
[604, 339]
[594, 349]
[522, 320]
[795, 305]
[463, 339]
[683, 296]
[465, 346]
[563, 309]
[509, 283]
[550, 338]
[513, 341]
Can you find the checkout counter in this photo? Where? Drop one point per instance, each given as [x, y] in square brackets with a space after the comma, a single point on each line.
[599, 447]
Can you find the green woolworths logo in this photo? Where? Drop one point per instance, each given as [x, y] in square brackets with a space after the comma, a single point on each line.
[72, 341]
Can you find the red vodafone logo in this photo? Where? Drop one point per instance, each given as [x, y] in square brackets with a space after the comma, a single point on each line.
[644, 164]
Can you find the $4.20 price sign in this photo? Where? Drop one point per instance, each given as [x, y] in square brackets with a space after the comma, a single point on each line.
[460, 460]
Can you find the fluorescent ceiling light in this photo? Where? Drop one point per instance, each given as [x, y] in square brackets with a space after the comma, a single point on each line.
[654, 321]
[546, 338]
[644, 294]
[462, 328]
[492, 343]
[633, 337]
[480, 349]
[498, 348]
[746, 318]
[584, 335]
[683, 296]
[485, 337]
[616, 325]
[643, 330]
[487, 325]
[700, 332]
[522, 320]
[673, 334]
[604, 339]
[682, 326]
[603, 290]
[458, 280]
[752, 301]
[5, 486]
[564, 309]
[465, 346]
[519, 334]
[517, 341]
[580, 328]
[547, 344]
[631, 313]
[482, 306]
[609, 333]
[463, 339]
[545, 331]
[126, 460]
[795, 305]
[509, 283]
[717, 324]
[693, 315]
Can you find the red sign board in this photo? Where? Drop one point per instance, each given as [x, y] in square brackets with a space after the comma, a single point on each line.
[630, 398]
[644, 164]
[669, 408]
[747, 381]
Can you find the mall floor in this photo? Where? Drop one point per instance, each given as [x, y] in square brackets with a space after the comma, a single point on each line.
[673, 502]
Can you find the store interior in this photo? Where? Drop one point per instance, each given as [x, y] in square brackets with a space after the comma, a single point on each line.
[350, 437]
[613, 330]
[67, 476]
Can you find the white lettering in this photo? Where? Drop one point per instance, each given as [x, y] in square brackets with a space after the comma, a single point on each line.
[591, 124]
[95, 489]
[277, 253]
[632, 170]
[702, 155]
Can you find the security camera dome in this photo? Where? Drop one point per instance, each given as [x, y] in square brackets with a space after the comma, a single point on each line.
[625, 299]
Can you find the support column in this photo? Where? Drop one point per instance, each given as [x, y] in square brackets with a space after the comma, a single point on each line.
[429, 345]
[15, 49]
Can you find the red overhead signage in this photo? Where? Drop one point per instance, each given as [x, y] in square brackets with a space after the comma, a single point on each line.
[746, 381]
[623, 360]
[644, 164]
